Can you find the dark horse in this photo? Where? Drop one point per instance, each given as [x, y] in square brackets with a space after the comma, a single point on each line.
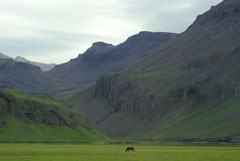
[130, 148]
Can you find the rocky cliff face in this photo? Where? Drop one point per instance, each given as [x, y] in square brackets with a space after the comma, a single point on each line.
[122, 96]
[98, 47]
[125, 94]
[28, 118]
[38, 112]
[199, 64]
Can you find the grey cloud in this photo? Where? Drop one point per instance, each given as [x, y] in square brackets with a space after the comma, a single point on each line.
[69, 36]
[29, 47]
[62, 27]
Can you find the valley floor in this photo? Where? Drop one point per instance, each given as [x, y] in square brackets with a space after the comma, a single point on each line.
[77, 152]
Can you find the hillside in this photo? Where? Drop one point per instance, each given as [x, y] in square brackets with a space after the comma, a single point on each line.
[188, 89]
[102, 58]
[27, 78]
[30, 118]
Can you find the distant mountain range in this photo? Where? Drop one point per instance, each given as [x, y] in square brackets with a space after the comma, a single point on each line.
[43, 67]
[186, 90]
[23, 75]
[29, 78]
[102, 58]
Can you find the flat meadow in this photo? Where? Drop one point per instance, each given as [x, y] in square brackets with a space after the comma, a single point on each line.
[96, 152]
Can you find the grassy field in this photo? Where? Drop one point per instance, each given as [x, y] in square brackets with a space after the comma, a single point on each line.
[71, 152]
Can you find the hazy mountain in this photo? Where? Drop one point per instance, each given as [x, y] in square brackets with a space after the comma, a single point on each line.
[43, 67]
[30, 118]
[4, 56]
[102, 58]
[188, 89]
[28, 78]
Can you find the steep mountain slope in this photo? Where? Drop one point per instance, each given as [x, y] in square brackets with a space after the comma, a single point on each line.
[188, 89]
[42, 66]
[102, 58]
[31, 118]
[28, 78]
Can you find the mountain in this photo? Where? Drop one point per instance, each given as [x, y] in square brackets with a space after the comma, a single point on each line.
[4, 56]
[187, 90]
[102, 58]
[28, 78]
[41, 119]
[43, 67]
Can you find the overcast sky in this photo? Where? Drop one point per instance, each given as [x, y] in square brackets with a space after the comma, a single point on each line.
[54, 31]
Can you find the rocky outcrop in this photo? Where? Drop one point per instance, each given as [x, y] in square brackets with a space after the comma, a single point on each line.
[121, 94]
[124, 94]
[98, 47]
[228, 11]
[38, 112]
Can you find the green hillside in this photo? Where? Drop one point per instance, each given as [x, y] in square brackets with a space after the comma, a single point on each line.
[189, 89]
[217, 120]
[28, 118]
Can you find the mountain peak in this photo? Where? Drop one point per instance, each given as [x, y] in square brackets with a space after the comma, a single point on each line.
[102, 44]
[226, 10]
[98, 47]
[21, 59]
[149, 36]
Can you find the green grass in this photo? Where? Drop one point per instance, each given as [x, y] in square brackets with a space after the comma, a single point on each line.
[210, 121]
[74, 98]
[45, 126]
[67, 152]
[124, 116]
[18, 95]
[29, 131]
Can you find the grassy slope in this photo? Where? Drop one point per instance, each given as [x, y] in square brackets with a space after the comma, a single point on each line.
[42, 99]
[217, 118]
[20, 131]
[40, 152]
[214, 120]
[23, 129]
[74, 98]
[205, 57]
